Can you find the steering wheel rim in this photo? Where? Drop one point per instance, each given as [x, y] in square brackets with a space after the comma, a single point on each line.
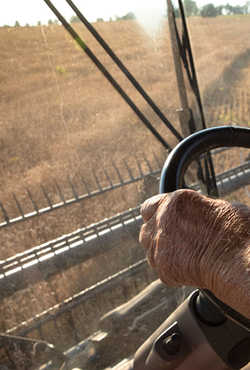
[174, 169]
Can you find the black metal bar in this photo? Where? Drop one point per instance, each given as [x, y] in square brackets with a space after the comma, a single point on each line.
[105, 72]
[191, 60]
[108, 178]
[126, 72]
[118, 173]
[18, 204]
[46, 195]
[84, 183]
[139, 166]
[148, 164]
[97, 181]
[60, 192]
[4, 213]
[194, 84]
[129, 171]
[32, 200]
[72, 187]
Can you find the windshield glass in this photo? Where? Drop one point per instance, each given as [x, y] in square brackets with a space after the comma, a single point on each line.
[82, 146]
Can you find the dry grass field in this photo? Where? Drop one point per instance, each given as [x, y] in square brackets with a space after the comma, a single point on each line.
[59, 117]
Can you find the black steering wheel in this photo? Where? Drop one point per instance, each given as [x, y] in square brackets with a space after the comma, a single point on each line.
[172, 178]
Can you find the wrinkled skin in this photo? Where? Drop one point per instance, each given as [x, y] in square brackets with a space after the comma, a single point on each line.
[197, 241]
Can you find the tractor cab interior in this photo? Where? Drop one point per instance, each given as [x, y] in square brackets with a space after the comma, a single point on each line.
[96, 100]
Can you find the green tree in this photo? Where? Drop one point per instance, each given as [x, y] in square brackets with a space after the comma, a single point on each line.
[229, 9]
[17, 24]
[129, 15]
[219, 9]
[208, 10]
[190, 8]
[238, 9]
[74, 19]
[247, 7]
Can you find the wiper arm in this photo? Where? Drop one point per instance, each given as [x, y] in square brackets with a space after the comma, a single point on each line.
[105, 72]
[124, 69]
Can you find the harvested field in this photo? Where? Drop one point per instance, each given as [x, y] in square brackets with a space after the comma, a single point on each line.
[60, 117]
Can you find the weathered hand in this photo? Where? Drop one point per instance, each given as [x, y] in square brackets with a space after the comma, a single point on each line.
[197, 241]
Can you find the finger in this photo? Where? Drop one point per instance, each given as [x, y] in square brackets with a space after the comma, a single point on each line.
[147, 241]
[145, 236]
[151, 255]
[150, 206]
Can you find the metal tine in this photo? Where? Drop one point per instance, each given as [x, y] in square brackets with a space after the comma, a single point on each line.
[72, 187]
[18, 204]
[60, 192]
[96, 180]
[129, 171]
[5, 213]
[118, 173]
[46, 195]
[157, 160]
[84, 183]
[148, 164]
[32, 200]
[139, 166]
[108, 178]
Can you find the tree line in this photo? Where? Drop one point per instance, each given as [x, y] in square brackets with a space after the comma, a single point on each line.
[190, 6]
[191, 9]
[209, 10]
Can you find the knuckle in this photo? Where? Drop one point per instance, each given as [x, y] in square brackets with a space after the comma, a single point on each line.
[150, 206]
